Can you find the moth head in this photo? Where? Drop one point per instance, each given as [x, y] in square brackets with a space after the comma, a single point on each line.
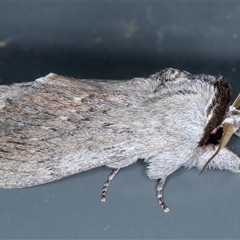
[230, 125]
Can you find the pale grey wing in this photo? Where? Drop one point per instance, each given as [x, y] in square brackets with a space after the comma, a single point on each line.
[55, 127]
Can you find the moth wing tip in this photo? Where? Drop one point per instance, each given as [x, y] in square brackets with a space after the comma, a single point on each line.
[46, 78]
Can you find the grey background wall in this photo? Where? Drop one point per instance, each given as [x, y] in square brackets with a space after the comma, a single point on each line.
[121, 40]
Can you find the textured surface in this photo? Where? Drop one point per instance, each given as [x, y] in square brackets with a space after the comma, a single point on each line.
[55, 126]
[121, 41]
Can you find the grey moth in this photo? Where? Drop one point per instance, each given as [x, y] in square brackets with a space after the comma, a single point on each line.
[57, 126]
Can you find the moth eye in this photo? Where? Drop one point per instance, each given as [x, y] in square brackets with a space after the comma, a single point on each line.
[215, 136]
[213, 131]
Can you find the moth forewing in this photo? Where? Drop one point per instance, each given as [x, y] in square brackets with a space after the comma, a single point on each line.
[55, 127]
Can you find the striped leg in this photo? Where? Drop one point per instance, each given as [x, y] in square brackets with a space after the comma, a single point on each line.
[160, 195]
[107, 183]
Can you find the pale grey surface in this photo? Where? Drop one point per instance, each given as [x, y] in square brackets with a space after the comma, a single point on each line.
[121, 40]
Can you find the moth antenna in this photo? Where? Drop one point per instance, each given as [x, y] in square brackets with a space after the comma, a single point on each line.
[236, 103]
[227, 134]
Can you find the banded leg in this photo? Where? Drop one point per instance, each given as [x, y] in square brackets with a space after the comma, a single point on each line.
[160, 195]
[107, 183]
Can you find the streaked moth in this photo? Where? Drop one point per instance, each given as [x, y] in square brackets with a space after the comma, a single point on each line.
[58, 126]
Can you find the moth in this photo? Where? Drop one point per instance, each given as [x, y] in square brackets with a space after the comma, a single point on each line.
[57, 126]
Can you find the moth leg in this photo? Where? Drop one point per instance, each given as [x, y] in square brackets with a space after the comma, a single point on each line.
[160, 195]
[107, 183]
